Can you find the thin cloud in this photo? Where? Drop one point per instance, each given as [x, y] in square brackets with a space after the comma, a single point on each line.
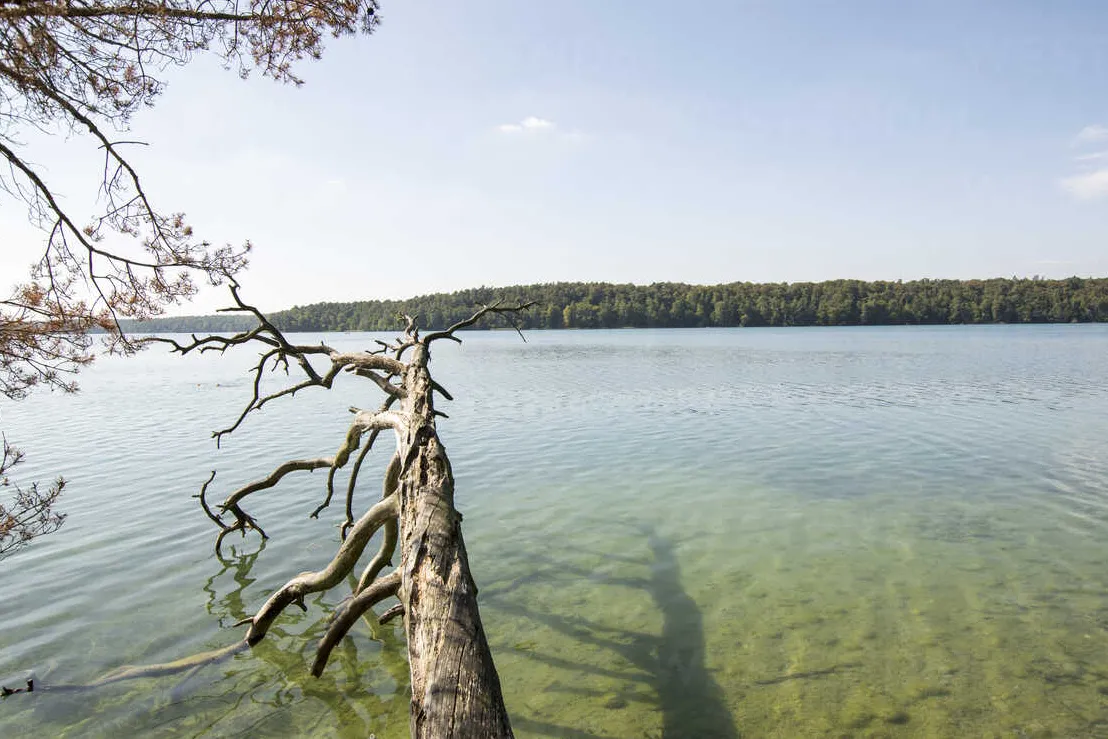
[530, 123]
[1088, 185]
[1090, 182]
[535, 128]
[1091, 134]
[576, 137]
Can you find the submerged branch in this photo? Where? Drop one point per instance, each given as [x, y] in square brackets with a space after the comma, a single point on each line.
[313, 582]
[454, 681]
[131, 672]
[348, 614]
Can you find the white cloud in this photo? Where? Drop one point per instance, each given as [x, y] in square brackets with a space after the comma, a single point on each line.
[1094, 156]
[1091, 134]
[530, 123]
[533, 127]
[1087, 186]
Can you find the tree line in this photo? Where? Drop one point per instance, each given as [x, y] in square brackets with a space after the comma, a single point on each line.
[677, 305]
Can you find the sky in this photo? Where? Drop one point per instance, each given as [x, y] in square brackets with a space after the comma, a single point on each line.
[507, 142]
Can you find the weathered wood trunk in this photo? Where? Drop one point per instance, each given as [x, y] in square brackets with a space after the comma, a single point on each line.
[455, 689]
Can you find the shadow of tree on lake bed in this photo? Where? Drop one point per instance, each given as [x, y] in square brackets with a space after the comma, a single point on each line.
[637, 669]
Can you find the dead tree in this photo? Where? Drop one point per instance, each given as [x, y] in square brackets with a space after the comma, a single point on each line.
[455, 688]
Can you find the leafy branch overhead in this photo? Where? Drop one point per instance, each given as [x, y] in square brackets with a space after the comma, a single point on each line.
[30, 511]
[86, 67]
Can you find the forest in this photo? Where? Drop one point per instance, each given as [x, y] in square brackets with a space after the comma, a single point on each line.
[676, 305]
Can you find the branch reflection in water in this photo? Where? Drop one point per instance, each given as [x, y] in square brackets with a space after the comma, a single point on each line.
[269, 690]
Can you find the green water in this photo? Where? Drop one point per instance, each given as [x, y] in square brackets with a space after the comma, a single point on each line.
[757, 533]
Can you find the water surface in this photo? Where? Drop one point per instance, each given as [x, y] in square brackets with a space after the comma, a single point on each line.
[891, 532]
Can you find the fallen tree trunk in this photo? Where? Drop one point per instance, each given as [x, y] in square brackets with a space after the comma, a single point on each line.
[455, 687]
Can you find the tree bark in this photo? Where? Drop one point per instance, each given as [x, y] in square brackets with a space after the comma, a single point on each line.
[455, 688]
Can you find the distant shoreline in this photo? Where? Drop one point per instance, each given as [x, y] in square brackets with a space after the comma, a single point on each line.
[596, 305]
[145, 328]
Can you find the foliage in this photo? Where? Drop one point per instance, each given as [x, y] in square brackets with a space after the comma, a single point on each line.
[86, 67]
[79, 66]
[30, 512]
[664, 305]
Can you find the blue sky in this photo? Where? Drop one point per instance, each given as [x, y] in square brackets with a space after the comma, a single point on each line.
[513, 142]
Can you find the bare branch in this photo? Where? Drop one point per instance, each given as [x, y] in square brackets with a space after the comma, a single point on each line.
[244, 521]
[379, 420]
[342, 456]
[494, 309]
[367, 361]
[348, 614]
[6, 691]
[313, 582]
[390, 614]
[396, 391]
[441, 390]
[280, 351]
[353, 481]
[295, 465]
[383, 557]
[202, 495]
[131, 672]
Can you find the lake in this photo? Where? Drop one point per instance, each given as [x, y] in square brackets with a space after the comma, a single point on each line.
[840, 532]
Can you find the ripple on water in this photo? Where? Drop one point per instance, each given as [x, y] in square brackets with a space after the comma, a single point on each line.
[895, 532]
